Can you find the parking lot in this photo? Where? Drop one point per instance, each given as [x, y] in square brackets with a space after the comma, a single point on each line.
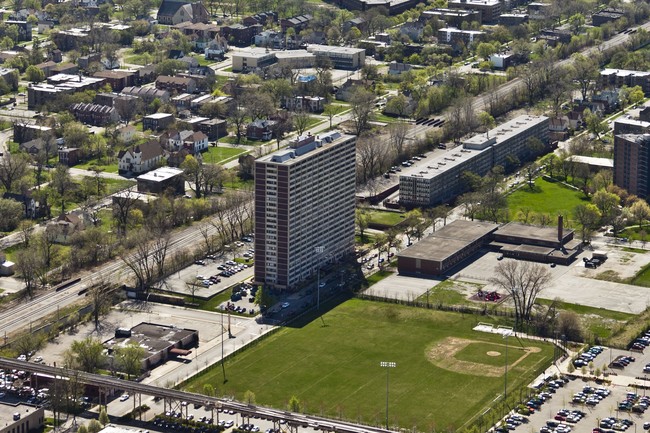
[212, 274]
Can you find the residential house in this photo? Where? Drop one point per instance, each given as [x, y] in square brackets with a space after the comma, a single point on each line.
[395, 68]
[33, 147]
[147, 94]
[85, 61]
[94, 114]
[298, 23]
[145, 75]
[64, 227]
[346, 90]
[239, 34]
[24, 29]
[214, 128]
[313, 104]
[358, 22]
[66, 68]
[69, 156]
[30, 207]
[269, 39]
[140, 159]
[559, 128]
[46, 67]
[157, 121]
[126, 134]
[118, 79]
[605, 101]
[25, 132]
[176, 84]
[260, 130]
[607, 15]
[173, 140]
[216, 48]
[199, 34]
[261, 18]
[177, 11]
[576, 118]
[196, 143]
[407, 110]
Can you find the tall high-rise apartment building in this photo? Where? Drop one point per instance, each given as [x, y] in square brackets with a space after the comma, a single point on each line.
[304, 208]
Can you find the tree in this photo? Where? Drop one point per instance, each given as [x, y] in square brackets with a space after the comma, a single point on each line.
[193, 172]
[294, 404]
[485, 50]
[86, 355]
[62, 183]
[331, 111]
[249, 397]
[585, 73]
[12, 169]
[576, 22]
[523, 281]
[398, 132]
[94, 426]
[208, 389]
[11, 212]
[397, 104]
[568, 324]
[640, 211]
[82, 429]
[487, 121]
[28, 343]
[103, 417]
[30, 268]
[34, 74]
[100, 299]
[595, 123]
[362, 102]
[588, 216]
[301, 121]
[129, 358]
[607, 203]
[361, 219]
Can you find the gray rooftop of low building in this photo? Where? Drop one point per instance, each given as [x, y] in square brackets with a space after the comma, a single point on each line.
[526, 231]
[7, 410]
[449, 240]
[504, 131]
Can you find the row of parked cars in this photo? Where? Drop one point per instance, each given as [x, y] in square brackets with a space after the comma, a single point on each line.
[641, 342]
[635, 403]
[587, 356]
[621, 361]
[611, 424]
[590, 396]
[177, 423]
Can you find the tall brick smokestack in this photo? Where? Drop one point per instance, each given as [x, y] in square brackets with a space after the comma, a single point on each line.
[560, 228]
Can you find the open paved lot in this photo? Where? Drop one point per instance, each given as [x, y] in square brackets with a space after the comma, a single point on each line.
[573, 283]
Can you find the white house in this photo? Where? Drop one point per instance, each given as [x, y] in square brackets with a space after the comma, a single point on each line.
[126, 134]
[196, 143]
[140, 159]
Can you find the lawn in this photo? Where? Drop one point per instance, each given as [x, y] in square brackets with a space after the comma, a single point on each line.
[232, 139]
[220, 155]
[108, 168]
[448, 292]
[385, 218]
[546, 197]
[115, 185]
[642, 278]
[332, 367]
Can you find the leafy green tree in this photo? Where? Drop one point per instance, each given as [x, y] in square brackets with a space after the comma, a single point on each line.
[208, 389]
[588, 216]
[94, 426]
[485, 49]
[294, 404]
[594, 123]
[129, 358]
[576, 22]
[34, 74]
[103, 417]
[487, 121]
[86, 355]
[82, 429]
[11, 212]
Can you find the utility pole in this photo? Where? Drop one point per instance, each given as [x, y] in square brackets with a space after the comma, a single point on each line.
[387, 365]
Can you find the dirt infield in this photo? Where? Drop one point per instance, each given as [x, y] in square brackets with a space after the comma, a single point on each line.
[442, 354]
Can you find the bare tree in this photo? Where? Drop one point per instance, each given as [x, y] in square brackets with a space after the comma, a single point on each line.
[301, 121]
[141, 261]
[12, 169]
[100, 295]
[523, 281]
[371, 157]
[398, 132]
[362, 102]
[122, 206]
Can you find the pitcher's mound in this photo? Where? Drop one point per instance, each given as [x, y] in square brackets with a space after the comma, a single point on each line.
[493, 353]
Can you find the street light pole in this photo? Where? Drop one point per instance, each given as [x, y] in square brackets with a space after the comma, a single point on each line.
[387, 365]
[505, 376]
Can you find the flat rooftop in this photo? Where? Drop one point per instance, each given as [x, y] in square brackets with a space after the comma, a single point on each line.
[158, 116]
[595, 162]
[7, 410]
[519, 230]
[160, 174]
[449, 240]
[330, 49]
[253, 52]
[624, 72]
[504, 132]
[290, 54]
[152, 337]
[294, 155]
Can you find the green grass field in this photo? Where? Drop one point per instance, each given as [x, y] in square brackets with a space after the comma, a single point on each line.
[546, 197]
[385, 218]
[218, 155]
[332, 366]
